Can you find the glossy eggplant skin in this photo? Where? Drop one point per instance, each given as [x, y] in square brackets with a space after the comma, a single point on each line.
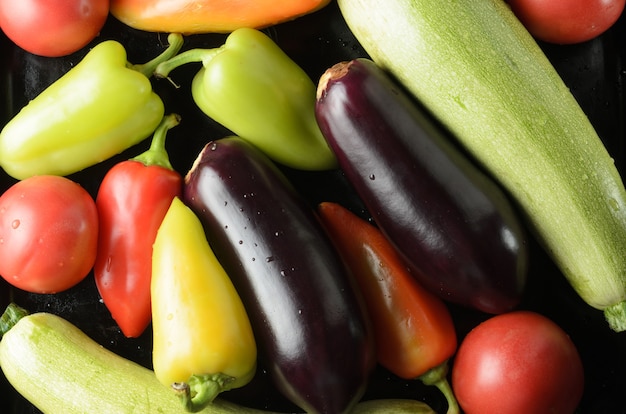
[309, 323]
[456, 228]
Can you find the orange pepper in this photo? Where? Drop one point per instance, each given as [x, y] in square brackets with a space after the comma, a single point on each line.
[414, 332]
[209, 16]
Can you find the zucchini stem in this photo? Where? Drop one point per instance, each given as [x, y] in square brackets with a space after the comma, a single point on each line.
[12, 314]
[615, 315]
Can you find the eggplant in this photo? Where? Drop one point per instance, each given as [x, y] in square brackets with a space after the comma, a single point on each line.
[309, 322]
[459, 233]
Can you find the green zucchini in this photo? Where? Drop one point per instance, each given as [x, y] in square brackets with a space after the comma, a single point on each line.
[59, 369]
[474, 66]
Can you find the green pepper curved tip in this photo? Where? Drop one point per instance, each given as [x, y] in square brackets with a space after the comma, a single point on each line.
[157, 154]
[175, 43]
[438, 377]
[164, 68]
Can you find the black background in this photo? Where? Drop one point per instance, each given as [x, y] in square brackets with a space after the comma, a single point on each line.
[593, 70]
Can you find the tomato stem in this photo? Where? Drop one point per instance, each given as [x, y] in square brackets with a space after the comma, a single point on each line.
[175, 41]
[157, 154]
[438, 377]
[12, 314]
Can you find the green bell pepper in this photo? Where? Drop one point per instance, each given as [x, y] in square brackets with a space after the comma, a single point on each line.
[250, 86]
[96, 110]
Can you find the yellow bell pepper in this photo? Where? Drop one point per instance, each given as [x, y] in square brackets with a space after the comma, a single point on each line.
[203, 342]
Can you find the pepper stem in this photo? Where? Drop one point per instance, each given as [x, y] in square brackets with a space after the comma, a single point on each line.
[201, 390]
[438, 377]
[190, 56]
[175, 41]
[10, 317]
[615, 315]
[157, 154]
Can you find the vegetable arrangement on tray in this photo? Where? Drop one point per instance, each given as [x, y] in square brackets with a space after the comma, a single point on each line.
[340, 224]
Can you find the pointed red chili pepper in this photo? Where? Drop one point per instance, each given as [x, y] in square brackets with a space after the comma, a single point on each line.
[413, 329]
[132, 201]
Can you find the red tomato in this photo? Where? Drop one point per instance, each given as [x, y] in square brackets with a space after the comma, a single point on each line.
[567, 21]
[48, 234]
[52, 27]
[518, 363]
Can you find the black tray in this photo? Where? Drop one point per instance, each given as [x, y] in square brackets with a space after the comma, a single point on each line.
[593, 70]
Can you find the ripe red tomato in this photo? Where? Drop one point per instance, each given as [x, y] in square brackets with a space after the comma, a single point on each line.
[52, 27]
[567, 21]
[518, 363]
[48, 234]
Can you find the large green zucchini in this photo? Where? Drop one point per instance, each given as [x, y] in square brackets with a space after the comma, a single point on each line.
[59, 369]
[479, 71]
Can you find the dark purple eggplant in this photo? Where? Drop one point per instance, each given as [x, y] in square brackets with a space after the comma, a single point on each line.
[309, 323]
[456, 228]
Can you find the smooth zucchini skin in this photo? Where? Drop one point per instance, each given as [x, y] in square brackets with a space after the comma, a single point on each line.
[59, 369]
[455, 227]
[482, 75]
[309, 324]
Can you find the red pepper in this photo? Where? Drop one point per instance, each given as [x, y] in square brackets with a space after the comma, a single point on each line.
[132, 201]
[413, 329]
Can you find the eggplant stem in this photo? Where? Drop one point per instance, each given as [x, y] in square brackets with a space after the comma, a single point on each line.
[201, 390]
[438, 377]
